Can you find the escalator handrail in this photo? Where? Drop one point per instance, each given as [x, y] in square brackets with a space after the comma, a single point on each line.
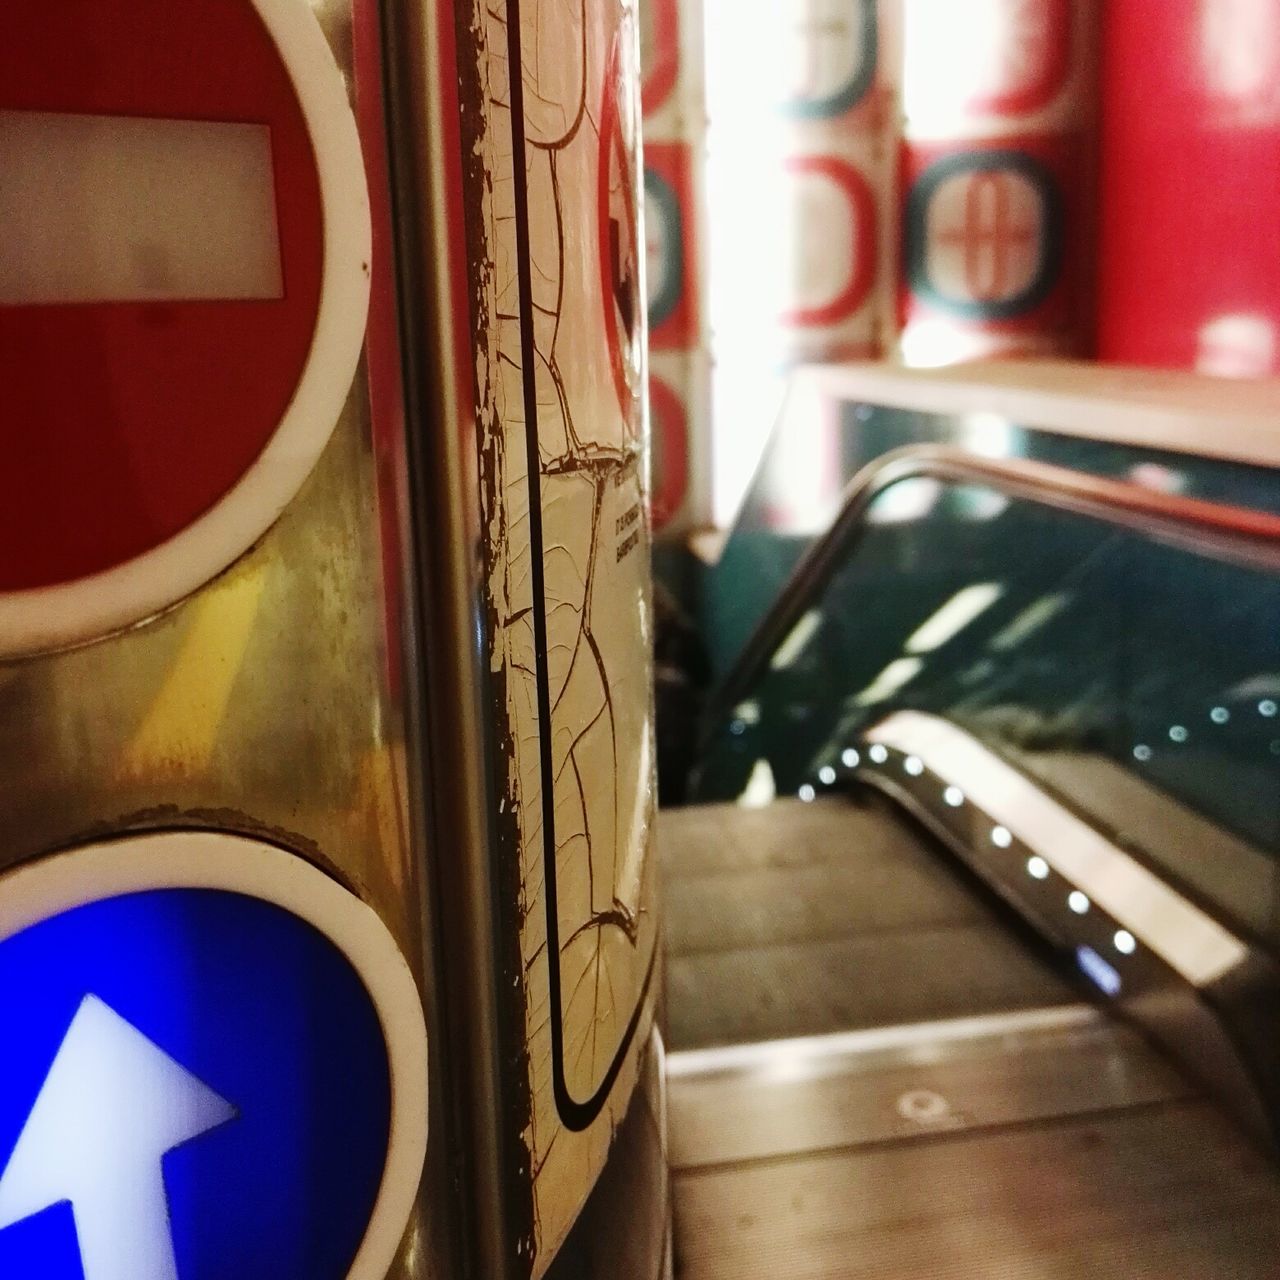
[1236, 535]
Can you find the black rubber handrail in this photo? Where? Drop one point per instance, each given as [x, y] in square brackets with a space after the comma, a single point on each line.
[1235, 535]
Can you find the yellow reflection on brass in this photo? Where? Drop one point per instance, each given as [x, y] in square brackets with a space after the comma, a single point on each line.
[184, 719]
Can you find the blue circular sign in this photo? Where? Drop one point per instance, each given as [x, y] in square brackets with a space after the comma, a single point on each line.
[195, 1085]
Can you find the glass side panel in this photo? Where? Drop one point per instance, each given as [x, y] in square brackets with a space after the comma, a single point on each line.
[1140, 682]
[815, 450]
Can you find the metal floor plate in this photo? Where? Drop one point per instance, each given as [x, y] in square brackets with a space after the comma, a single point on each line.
[1161, 1192]
[908, 1083]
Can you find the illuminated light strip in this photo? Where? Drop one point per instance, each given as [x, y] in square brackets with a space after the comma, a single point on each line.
[1184, 937]
[954, 616]
[1104, 976]
[768, 1054]
[1030, 620]
[797, 641]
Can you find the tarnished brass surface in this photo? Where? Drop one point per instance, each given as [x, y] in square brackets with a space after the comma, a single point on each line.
[366, 713]
[268, 704]
[258, 705]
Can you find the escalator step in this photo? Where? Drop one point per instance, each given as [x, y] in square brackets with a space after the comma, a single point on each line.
[805, 919]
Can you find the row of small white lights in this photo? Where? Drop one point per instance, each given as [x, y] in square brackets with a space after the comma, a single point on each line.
[850, 758]
[1039, 869]
[1268, 708]
[1001, 837]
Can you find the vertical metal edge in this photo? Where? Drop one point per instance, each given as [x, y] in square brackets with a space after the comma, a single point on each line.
[450, 746]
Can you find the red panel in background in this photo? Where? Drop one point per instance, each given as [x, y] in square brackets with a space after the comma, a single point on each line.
[1034, 59]
[993, 235]
[670, 451]
[857, 198]
[1190, 216]
[671, 246]
[660, 49]
[833, 58]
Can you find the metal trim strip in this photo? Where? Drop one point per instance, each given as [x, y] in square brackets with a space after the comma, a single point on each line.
[1192, 943]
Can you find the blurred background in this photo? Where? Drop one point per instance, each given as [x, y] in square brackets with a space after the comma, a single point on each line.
[922, 183]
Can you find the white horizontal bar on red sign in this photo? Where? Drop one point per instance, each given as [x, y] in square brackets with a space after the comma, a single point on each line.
[101, 209]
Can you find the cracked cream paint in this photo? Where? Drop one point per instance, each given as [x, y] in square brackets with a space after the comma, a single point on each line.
[560, 372]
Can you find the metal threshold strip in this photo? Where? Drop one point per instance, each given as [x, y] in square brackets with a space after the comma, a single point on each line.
[771, 1056]
[906, 1083]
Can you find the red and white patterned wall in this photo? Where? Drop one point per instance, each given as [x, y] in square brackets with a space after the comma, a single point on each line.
[942, 180]
[838, 103]
[997, 178]
[679, 356]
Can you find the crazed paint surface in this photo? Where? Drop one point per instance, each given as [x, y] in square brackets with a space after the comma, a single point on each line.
[559, 298]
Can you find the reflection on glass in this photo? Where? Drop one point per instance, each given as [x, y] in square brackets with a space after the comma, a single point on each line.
[1139, 682]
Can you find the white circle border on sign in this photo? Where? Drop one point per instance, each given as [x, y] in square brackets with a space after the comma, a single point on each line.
[77, 877]
[44, 619]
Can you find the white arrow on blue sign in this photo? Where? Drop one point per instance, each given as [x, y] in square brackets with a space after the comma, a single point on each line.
[112, 1106]
[195, 1085]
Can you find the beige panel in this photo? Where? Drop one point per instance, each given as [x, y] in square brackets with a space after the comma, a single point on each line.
[567, 551]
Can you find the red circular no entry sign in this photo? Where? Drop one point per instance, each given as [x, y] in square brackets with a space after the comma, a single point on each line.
[182, 295]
